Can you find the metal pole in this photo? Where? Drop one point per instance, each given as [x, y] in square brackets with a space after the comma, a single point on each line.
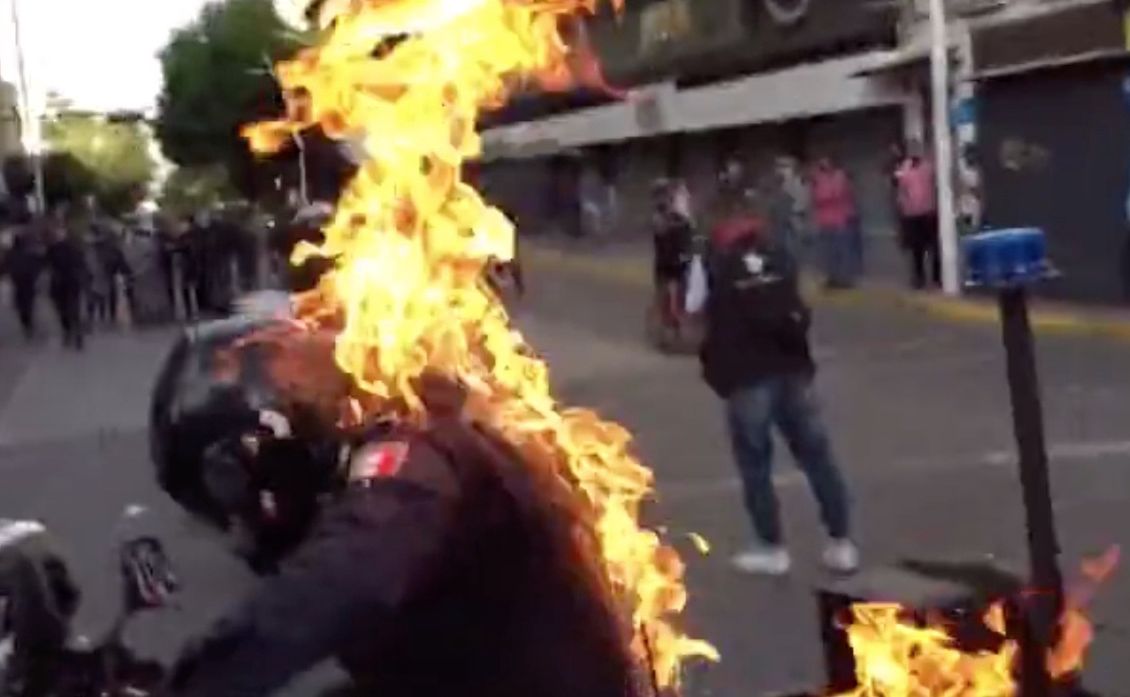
[30, 121]
[1043, 607]
[303, 190]
[943, 147]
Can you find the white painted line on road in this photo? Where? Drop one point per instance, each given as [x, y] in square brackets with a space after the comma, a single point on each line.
[1078, 450]
[1057, 452]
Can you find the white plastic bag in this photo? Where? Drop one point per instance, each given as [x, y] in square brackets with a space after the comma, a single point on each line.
[696, 286]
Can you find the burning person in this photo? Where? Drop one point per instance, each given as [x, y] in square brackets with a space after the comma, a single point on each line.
[430, 559]
[757, 358]
[437, 519]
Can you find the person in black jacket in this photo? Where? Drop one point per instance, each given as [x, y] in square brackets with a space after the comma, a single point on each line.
[756, 357]
[70, 276]
[429, 560]
[23, 263]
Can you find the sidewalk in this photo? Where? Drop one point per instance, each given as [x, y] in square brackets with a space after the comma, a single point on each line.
[629, 263]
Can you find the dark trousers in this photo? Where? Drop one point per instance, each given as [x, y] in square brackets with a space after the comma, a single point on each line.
[1124, 267]
[842, 256]
[68, 306]
[189, 293]
[789, 402]
[98, 308]
[920, 237]
[23, 293]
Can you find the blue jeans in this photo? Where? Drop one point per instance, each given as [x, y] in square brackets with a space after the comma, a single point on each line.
[841, 256]
[855, 231]
[789, 402]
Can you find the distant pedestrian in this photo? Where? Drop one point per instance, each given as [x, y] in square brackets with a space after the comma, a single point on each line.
[198, 260]
[836, 220]
[187, 262]
[918, 216]
[108, 244]
[790, 207]
[756, 357]
[66, 260]
[24, 263]
[97, 289]
[166, 232]
[149, 300]
[672, 232]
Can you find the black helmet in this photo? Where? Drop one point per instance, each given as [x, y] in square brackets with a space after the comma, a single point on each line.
[232, 445]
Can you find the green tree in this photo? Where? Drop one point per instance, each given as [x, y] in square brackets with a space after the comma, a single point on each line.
[65, 178]
[216, 79]
[113, 154]
[191, 188]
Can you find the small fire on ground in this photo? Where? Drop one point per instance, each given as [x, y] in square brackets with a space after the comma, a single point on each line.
[896, 656]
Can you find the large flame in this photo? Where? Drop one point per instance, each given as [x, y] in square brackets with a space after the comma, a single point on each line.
[896, 656]
[407, 79]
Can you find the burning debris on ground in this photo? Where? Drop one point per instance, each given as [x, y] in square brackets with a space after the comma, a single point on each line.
[955, 630]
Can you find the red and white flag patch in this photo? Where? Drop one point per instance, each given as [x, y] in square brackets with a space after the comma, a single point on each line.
[380, 461]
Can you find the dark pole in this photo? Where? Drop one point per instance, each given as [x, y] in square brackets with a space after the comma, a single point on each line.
[1045, 605]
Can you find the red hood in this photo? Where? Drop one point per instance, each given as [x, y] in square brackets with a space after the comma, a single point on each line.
[735, 229]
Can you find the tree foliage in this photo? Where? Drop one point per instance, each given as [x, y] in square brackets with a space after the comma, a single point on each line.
[192, 188]
[104, 157]
[216, 79]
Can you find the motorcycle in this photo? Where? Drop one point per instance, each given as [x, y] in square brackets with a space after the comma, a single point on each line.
[38, 656]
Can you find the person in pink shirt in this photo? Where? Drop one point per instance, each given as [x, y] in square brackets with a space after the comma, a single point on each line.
[917, 201]
[835, 218]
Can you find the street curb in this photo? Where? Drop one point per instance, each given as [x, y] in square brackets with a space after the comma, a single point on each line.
[635, 271]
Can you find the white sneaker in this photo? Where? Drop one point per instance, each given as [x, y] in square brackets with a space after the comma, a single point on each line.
[767, 561]
[841, 556]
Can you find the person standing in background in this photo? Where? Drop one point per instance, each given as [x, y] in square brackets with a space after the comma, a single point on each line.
[672, 237]
[187, 261]
[791, 208]
[918, 215]
[108, 244]
[24, 263]
[199, 248]
[166, 259]
[834, 215]
[756, 357]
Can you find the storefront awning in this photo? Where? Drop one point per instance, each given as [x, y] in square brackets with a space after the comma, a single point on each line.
[1051, 63]
[899, 59]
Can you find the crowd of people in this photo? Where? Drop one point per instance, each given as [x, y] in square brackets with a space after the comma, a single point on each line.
[812, 212]
[100, 272]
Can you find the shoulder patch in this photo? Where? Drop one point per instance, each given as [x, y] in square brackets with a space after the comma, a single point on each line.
[754, 263]
[379, 461]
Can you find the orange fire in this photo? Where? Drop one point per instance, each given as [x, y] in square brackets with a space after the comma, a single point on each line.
[895, 657]
[407, 80]
[898, 657]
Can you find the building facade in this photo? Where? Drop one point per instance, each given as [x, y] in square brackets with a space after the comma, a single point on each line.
[712, 80]
[1053, 101]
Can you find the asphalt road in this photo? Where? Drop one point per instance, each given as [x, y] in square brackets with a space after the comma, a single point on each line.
[918, 409]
